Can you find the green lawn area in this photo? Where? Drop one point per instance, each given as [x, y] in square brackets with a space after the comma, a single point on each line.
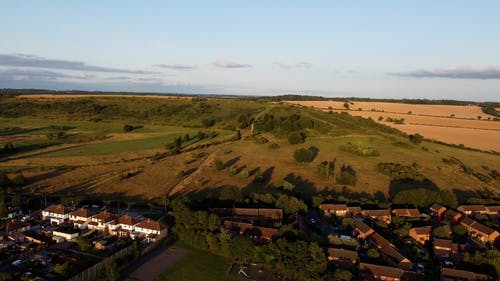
[198, 266]
[118, 146]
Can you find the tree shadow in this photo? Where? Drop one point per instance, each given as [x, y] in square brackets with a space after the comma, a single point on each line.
[304, 189]
[399, 185]
[232, 162]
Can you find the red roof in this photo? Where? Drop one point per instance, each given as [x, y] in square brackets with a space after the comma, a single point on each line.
[57, 209]
[127, 220]
[82, 212]
[151, 224]
[104, 216]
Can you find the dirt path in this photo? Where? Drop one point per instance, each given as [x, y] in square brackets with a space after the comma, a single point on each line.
[187, 182]
[153, 264]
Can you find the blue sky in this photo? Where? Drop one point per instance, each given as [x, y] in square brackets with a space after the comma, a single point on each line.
[382, 49]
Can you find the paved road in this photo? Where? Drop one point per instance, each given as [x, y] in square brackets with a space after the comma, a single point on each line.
[148, 267]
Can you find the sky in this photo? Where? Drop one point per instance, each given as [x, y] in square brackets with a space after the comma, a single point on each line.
[378, 49]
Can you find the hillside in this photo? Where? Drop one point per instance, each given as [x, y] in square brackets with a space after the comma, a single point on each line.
[77, 146]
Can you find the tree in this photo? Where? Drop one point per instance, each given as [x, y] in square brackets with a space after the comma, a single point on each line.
[373, 253]
[325, 169]
[238, 135]
[290, 204]
[296, 138]
[416, 138]
[347, 176]
[303, 155]
[242, 248]
[341, 275]
[460, 230]
[127, 128]
[208, 122]
[230, 193]
[441, 232]
[218, 165]
[346, 105]
[347, 223]
[186, 138]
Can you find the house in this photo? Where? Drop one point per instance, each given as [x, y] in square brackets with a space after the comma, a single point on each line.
[255, 232]
[124, 226]
[101, 221]
[250, 213]
[381, 215]
[339, 210]
[56, 214]
[362, 229]
[342, 258]
[493, 211]
[153, 230]
[354, 211]
[64, 235]
[407, 213]
[450, 274]
[472, 209]
[267, 214]
[437, 211]
[444, 248]
[377, 272]
[480, 231]
[14, 227]
[420, 234]
[80, 217]
[379, 241]
[452, 216]
[389, 251]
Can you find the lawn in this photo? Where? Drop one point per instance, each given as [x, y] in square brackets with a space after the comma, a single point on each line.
[198, 266]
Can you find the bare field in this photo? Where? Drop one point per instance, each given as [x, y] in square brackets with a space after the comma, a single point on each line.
[431, 121]
[468, 112]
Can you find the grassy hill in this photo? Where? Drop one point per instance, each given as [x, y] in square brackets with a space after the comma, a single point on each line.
[71, 146]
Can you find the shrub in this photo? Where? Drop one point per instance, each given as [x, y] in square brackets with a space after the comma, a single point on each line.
[218, 165]
[303, 155]
[208, 123]
[325, 169]
[296, 138]
[274, 145]
[416, 138]
[361, 151]
[347, 176]
[127, 128]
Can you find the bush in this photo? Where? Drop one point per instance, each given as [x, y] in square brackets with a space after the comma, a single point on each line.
[218, 165]
[208, 123]
[127, 128]
[347, 176]
[416, 138]
[303, 155]
[361, 151]
[274, 146]
[325, 169]
[296, 138]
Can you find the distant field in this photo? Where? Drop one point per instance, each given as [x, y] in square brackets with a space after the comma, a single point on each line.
[431, 121]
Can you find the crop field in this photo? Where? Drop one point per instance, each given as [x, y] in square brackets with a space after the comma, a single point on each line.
[447, 123]
[77, 145]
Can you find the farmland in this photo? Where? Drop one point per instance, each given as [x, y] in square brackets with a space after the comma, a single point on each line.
[454, 124]
[77, 145]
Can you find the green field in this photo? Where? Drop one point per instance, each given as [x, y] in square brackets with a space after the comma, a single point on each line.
[199, 266]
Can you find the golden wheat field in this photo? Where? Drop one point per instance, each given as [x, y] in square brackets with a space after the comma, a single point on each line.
[448, 123]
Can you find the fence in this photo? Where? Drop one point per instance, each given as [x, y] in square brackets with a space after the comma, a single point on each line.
[93, 272]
